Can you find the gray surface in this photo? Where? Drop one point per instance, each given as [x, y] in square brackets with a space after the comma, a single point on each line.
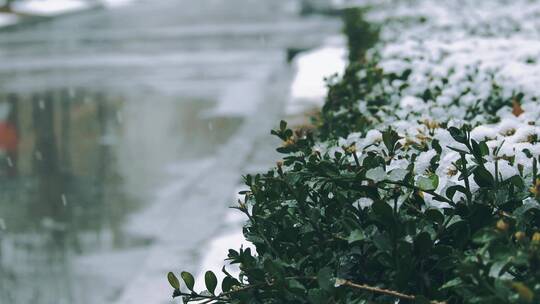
[167, 102]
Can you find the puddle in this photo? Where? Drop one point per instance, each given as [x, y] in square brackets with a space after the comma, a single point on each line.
[74, 164]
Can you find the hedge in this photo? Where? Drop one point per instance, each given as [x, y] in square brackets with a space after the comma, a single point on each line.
[419, 182]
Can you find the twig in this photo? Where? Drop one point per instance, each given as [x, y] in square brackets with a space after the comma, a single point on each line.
[378, 290]
[339, 282]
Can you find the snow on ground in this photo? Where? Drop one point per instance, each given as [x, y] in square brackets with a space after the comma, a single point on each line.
[50, 8]
[8, 19]
[115, 3]
[308, 89]
[217, 249]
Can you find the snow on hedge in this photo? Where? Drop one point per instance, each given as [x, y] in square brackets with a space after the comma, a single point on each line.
[455, 63]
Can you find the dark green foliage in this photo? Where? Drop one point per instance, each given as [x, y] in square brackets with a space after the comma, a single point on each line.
[341, 114]
[331, 228]
[310, 234]
[361, 34]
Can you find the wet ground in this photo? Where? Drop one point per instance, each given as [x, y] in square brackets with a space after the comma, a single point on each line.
[123, 135]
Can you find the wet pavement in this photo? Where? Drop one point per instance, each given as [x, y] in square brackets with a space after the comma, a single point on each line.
[123, 135]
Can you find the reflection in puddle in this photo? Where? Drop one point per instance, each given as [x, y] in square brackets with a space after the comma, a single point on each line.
[73, 165]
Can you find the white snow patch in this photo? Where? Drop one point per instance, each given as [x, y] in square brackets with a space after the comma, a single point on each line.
[8, 19]
[309, 87]
[115, 3]
[50, 7]
[424, 160]
[216, 254]
[411, 102]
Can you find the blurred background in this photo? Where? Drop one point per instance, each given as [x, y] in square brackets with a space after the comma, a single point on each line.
[125, 128]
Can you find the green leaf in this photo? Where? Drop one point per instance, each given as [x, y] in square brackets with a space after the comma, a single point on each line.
[517, 181]
[293, 177]
[383, 210]
[295, 285]
[275, 269]
[188, 279]
[173, 280]
[317, 296]
[423, 243]
[282, 125]
[390, 137]
[211, 281]
[479, 149]
[460, 151]
[458, 135]
[435, 215]
[428, 183]
[452, 283]
[383, 242]
[421, 300]
[436, 146]
[451, 191]
[376, 174]
[228, 283]
[485, 236]
[460, 231]
[496, 269]
[482, 177]
[523, 209]
[325, 278]
[356, 235]
[288, 133]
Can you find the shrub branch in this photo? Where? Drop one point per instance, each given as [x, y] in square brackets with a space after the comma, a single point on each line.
[378, 290]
